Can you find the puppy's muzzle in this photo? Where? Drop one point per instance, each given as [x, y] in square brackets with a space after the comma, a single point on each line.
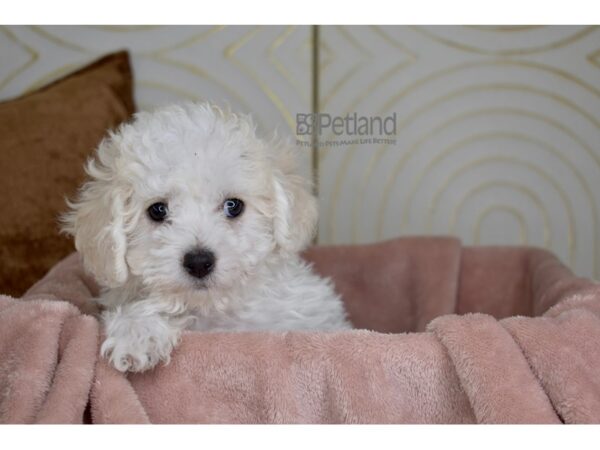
[199, 263]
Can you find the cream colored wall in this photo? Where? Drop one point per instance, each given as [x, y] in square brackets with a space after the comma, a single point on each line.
[498, 127]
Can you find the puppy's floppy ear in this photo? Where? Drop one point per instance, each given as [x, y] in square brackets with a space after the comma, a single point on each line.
[295, 214]
[97, 221]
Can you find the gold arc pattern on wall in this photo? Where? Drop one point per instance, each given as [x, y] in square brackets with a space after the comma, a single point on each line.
[437, 75]
[522, 189]
[340, 171]
[515, 137]
[516, 87]
[455, 119]
[571, 240]
[457, 174]
[509, 52]
[447, 124]
[500, 207]
[454, 148]
[478, 113]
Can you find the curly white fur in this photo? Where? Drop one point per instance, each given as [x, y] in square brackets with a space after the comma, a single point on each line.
[192, 157]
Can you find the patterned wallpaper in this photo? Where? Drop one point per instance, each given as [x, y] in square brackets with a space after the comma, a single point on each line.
[498, 128]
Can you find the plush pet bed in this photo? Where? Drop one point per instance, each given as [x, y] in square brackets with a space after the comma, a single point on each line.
[458, 335]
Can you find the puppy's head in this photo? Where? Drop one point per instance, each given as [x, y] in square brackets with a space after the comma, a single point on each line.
[186, 198]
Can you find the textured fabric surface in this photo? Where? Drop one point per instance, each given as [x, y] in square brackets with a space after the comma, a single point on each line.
[415, 361]
[45, 138]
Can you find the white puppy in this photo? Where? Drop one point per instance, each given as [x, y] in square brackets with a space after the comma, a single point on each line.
[191, 221]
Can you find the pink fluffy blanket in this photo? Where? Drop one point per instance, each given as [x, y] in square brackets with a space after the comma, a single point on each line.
[458, 335]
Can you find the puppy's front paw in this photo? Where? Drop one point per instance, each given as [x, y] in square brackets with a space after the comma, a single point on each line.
[137, 345]
[135, 357]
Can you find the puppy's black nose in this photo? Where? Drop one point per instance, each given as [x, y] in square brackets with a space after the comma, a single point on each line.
[199, 263]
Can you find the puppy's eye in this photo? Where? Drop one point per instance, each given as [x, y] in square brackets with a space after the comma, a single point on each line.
[158, 211]
[233, 207]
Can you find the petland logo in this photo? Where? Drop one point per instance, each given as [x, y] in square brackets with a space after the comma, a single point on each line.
[359, 129]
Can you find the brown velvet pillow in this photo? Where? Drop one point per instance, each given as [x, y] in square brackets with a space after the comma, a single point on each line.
[45, 138]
